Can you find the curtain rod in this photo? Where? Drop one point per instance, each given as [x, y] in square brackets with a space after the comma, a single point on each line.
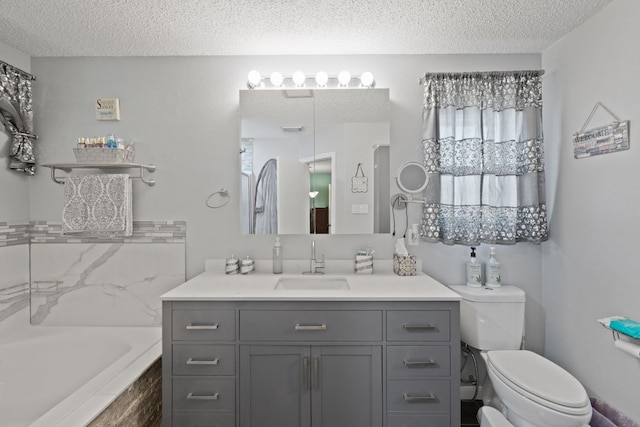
[29, 75]
[486, 73]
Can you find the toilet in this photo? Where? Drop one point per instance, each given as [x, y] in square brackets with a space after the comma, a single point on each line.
[522, 389]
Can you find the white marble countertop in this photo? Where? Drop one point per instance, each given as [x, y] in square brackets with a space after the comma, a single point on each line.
[382, 285]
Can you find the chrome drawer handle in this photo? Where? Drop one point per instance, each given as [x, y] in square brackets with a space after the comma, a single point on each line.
[416, 328]
[214, 396]
[192, 361]
[192, 327]
[419, 399]
[418, 363]
[299, 327]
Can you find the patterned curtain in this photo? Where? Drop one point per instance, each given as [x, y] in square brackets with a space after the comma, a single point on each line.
[17, 117]
[483, 148]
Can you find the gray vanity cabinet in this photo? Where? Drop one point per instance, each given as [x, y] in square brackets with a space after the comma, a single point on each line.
[311, 363]
[309, 386]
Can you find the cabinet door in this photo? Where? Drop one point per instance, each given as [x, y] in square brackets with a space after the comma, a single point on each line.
[346, 386]
[275, 386]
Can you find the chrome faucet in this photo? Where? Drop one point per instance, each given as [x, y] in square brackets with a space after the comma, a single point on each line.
[315, 266]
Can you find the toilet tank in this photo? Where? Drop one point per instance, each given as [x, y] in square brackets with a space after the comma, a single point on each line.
[491, 318]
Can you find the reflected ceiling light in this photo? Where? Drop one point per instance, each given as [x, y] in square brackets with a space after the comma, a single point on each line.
[276, 79]
[299, 78]
[254, 79]
[344, 78]
[366, 80]
[322, 78]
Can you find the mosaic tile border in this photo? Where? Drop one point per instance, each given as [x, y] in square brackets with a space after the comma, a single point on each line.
[49, 232]
[143, 232]
[14, 234]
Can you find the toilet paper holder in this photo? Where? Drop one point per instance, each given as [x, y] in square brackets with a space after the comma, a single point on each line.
[629, 344]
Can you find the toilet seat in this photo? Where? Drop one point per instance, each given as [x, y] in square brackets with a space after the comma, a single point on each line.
[539, 380]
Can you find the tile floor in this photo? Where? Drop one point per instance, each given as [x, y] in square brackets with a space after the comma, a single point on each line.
[468, 413]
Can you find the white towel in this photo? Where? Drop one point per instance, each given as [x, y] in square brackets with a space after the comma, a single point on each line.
[98, 204]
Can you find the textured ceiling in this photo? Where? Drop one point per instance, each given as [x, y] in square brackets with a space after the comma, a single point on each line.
[287, 27]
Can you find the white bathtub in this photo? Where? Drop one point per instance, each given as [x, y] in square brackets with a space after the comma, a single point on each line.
[65, 376]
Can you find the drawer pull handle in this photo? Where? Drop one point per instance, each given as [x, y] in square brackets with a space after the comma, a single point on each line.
[316, 372]
[192, 361]
[192, 327]
[419, 363]
[419, 399]
[299, 327]
[418, 328]
[214, 396]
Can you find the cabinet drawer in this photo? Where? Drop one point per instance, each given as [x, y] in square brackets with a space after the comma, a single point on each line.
[418, 325]
[419, 396]
[204, 325]
[204, 420]
[204, 394]
[204, 359]
[418, 361]
[313, 325]
[418, 421]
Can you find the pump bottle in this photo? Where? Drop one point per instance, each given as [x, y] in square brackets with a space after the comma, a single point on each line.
[493, 270]
[474, 271]
[277, 257]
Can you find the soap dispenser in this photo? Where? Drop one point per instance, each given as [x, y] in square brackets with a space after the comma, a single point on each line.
[474, 271]
[493, 270]
[277, 257]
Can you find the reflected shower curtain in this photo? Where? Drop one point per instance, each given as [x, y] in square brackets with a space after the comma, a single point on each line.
[265, 216]
[483, 147]
[17, 117]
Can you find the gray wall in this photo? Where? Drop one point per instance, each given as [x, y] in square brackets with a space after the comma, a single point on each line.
[590, 265]
[14, 186]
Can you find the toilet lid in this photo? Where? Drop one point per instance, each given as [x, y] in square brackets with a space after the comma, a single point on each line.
[539, 379]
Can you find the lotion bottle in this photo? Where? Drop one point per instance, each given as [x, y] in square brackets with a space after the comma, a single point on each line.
[277, 257]
[493, 270]
[474, 271]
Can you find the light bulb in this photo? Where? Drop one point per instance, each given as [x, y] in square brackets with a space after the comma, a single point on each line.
[276, 79]
[313, 194]
[344, 78]
[299, 78]
[254, 78]
[322, 78]
[367, 79]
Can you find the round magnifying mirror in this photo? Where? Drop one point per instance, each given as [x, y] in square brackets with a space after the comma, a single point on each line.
[412, 177]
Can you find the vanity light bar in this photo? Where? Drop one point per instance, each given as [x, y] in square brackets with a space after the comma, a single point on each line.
[299, 80]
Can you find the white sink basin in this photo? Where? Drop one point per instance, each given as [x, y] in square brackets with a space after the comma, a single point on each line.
[312, 283]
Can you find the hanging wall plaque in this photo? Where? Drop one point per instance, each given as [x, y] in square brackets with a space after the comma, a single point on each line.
[359, 184]
[601, 140]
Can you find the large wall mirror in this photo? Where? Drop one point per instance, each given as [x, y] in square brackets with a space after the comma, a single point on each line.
[315, 161]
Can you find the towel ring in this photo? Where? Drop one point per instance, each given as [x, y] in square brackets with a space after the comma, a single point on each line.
[223, 193]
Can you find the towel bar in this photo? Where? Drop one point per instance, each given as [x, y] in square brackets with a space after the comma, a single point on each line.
[68, 167]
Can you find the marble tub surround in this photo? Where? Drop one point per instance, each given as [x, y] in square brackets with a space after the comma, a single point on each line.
[383, 285]
[102, 284]
[14, 286]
